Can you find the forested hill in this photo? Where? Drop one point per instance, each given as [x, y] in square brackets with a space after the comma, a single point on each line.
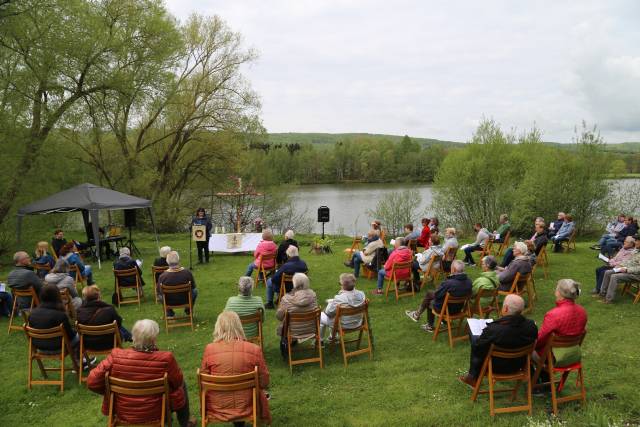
[332, 138]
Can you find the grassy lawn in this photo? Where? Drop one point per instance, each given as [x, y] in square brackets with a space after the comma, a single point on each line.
[411, 381]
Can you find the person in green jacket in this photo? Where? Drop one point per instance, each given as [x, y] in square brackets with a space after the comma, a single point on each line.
[488, 279]
[503, 228]
[245, 304]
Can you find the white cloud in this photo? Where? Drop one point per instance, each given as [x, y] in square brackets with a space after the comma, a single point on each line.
[432, 69]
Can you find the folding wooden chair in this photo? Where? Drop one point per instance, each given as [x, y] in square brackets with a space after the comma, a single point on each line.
[383, 237]
[77, 277]
[309, 317]
[254, 319]
[520, 376]
[413, 245]
[57, 334]
[449, 318]
[433, 273]
[521, 285]
[52, 252]
[505, 243]
[379, 257]
[340, 332]
[355, 246]
[398, 281]
[158, 387]
[118, 275]
[632, 288]
[177, 321]
[569, 245]
[41, 269]
[486, 249]
[543, 261]
[225, 384]
[18, 293]
[67, 301]
[265, 272]
[155, 273]
[547, 363]
[448, 257]
[286, 281]
[477, 308]
[110, 329]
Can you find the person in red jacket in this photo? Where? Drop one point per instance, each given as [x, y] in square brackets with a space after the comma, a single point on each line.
[140, 363]
[230, 354]
[425, 236]
[265, 247]
[401, 253]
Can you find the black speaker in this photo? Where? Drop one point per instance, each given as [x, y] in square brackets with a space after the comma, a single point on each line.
[323, 214]
[129, 218]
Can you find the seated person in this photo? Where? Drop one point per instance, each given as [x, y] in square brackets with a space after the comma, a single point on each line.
[400, 254]
[613, 228]
[301, 299]
[626, 271]
[611, 245]
[142, 362]
[177, 275]
[70, 253]
[368, 252]
[348, 296]
[425, 235]
[539, 241]
[162, 260]
[422, 259]
[482, 238]
[521, 264]
[292, 266]
[554, 227]
[434, 225]
[58, 241]
[564, 233]
[512, 331]
[457, 284]
[22, 277]
[95, 312]
[125, 262]
[59, 276]
[411, 233]
[627, 251]
[566, 319]
[539, 220]
[42, 257]
[488, 279]
[503, 228]
[376, 226]
[231, 354]
[281, 255]
[246, 304]
[450, 241]
[49, 314]
[265, 247]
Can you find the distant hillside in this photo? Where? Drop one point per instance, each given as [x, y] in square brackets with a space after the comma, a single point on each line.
[332, 138]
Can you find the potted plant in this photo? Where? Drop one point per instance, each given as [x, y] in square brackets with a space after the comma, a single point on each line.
[322, 246]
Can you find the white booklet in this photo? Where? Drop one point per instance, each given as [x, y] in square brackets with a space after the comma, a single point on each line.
[477, 325]
[463, 247]
[139, 262]
[603, 258]
[497, 237]
[3, 287]
[392, 242]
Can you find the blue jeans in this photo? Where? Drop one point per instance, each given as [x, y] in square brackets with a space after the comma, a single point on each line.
[250, 269]
[468, 251]
[194, 295]
[6, 303]
[600, 275]
[88, 274]
[357, 262]
[508, 257]
[381, 275]
[610, 247]
[270, 291]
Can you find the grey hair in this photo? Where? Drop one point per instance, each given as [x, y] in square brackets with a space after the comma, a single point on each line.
[173, 258]
[124, 251]
[400, 241]
[630, 238]
[164, 251]
[457, 266]
[568, 288]
[490, 262]
[348, 281]
[62, 266]
[245, 285]
[521, 247]
[289, 234]
[145, 332]
[292, 251]
[301, 281]
[267, 234]
[514, 302]
[17, 257]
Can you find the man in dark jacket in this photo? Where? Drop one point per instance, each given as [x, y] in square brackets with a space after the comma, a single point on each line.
[95, 312]
[125, 262]
[281, 255]
[22, 277]
[58, 241]
[292, 266]
[177, 275]
[511, 331]
[457, 285]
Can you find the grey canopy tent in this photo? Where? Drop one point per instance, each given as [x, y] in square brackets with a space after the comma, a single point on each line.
[89, 199]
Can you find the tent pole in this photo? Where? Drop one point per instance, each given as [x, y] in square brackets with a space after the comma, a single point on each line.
[95, 225]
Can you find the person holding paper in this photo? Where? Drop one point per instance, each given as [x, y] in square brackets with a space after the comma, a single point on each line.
[512, 330]
[564, 233]
[481, 240]
[626, 271]
[202, 247]
[554, 227]
[628, 249]
[125, 262]
[503, 228]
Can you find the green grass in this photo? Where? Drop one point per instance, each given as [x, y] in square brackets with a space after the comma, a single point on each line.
[411, 381]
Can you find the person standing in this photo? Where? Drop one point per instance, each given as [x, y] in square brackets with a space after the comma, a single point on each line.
[202, 247]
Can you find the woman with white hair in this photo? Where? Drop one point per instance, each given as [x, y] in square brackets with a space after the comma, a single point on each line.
[520, 264]
[142, 362]
[230, 354]
[162, 260]
[300, 299]
[264, 248]
[245, 304]
[281, 256]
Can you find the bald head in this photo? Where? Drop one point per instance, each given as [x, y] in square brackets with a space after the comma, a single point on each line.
[457, 267]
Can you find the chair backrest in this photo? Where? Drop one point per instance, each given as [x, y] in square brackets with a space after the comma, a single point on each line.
[267, 257]
[52, 252]
[183, 288]
[254, 319]
[450, 253]
[399, 266]
[485, 293]
[67, 301]
[413, 245]
[130, 272]
[100, 330]
[30, 292]
[41, 269]
[286, 278]
[55, 333]
[519, 282]
[249, 380]
[558, 341]
[157, 271]
[156, 387]
[450, 300]
[510, 353]
[361, 310]
[302, 319]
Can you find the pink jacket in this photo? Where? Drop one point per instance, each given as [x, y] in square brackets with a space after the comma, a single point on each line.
[265, 247]
[402, 254]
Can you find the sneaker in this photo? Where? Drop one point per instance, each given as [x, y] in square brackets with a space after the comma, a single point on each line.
[269, 306]
[427, 327]
[413, 315]
[377, 292]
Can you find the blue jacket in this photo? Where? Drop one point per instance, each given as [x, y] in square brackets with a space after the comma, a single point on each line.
[72, 259]
[293, 265]
[565, 230]
[457, 285]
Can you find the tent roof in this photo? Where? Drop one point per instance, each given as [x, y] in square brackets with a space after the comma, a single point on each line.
[85, 196]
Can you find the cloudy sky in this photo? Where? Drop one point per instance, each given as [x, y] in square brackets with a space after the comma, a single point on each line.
[434, 69]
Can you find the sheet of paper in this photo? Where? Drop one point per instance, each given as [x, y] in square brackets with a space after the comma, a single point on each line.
[477, 325]
[3, 287]
[139, 262]
[463, 247]
[604, 258]
[497, 237]
[617, 270]
[392, 242]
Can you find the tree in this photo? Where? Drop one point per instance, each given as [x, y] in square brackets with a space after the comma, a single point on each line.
[397, 209]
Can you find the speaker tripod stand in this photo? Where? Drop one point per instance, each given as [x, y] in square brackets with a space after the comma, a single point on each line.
[131, 245]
